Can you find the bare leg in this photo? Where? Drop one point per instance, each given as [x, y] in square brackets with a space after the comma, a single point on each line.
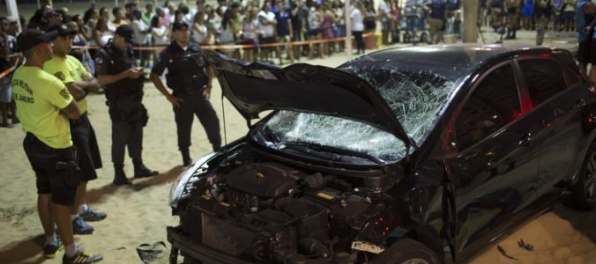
[80, 198]
[61, 215]
[44, 211]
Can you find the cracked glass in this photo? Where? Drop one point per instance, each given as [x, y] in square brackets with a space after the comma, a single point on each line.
[416, 97]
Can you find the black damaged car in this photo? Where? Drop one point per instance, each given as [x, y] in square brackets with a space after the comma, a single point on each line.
[414, 155]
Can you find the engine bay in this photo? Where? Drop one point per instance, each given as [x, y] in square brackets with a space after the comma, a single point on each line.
[270, 212]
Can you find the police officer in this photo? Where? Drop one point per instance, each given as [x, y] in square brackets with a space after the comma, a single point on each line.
[513, 17]
[438, 13]
[116, 69]
[542, 11]
[497, 10]
[44, 106]
[189, 76]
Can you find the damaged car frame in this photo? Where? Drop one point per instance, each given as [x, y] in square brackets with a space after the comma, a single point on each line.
[413, 155]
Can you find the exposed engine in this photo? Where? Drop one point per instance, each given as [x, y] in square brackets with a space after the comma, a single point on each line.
[271, 213]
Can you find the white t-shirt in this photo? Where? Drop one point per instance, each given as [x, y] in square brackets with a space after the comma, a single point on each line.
[200, 35]
[357, 20]
[268, 30]
[140, 29]
[160, 31]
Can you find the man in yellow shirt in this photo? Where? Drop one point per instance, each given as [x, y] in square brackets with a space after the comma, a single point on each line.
[44, 106]
[78, 82]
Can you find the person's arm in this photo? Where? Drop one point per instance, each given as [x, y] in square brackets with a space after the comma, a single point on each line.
[133, 73]
[175, 101]
[207, 91]
[72, 110]
[89, 83]
[76, 91]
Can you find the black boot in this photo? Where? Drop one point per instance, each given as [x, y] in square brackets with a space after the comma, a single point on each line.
[142, 171]
[119, 175]
[216, 146]
[186, 160]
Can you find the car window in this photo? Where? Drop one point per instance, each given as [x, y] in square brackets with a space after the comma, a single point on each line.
[544, 79]
[493, 104]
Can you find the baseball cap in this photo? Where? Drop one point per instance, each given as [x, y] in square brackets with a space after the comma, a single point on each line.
[178, 25]
[126, 32]
[62, 30]
[30, 38]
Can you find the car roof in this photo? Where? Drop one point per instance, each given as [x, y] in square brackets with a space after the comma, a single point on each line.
[462, 56]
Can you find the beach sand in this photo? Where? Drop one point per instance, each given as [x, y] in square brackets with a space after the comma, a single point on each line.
[140, 213]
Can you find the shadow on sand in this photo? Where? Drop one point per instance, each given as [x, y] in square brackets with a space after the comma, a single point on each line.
[583, 222]
[24, 251]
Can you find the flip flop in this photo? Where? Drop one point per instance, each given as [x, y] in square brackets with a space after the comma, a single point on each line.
[151, 252]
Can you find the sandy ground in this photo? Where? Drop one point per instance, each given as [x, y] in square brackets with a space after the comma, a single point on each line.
[140, 213]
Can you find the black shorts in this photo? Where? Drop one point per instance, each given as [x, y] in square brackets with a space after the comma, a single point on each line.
[56, 170]
[591, 47]
[84, 140]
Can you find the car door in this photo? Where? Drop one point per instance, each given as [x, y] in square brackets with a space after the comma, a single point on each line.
[555, 121]
[491, 164]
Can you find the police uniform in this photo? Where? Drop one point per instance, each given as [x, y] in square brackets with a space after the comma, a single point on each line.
[542, 10]
[126, 110]
[187, 77]
[513, 17]
[497, 8]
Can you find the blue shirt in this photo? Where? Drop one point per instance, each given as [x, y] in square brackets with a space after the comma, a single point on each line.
[282, 23]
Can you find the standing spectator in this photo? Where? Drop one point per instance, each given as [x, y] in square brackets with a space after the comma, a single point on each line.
[315, 18]
[298, 15]
[129, 8]
[119, 19]
[7, 55]
[104, 13]
[542, 13]
[568, 14]
[160, 33]
[189, 76]
[199, 29]
[81, 52]
[327, 28]
[284, 30]
[54, 18]
[102, 35]
[79, 83]
[267, 25]
[513, 12]
[527, 20]
[148, 14]
[497, 12]
[249, 34]
[384, 17]
[357, 21]
[340, 23]
[44, 107]
[213, 23]
[584, 17]
[228, 31]
[116, 69]
[436, 21]
[140, 36]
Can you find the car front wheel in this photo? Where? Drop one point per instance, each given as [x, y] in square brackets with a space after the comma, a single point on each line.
[408, 251]
[583, 196]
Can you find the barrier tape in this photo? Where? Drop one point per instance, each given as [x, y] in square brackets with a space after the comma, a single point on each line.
[242, 46]
[11, 69]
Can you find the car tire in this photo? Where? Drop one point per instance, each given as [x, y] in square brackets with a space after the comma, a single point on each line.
[583, 195]
[407, 251]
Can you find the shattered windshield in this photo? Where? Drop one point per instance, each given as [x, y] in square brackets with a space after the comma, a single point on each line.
[416, 98]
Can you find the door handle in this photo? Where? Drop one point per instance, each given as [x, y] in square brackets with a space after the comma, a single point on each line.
[525, 140]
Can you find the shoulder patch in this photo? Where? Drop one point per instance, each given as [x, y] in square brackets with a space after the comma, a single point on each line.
[65, 94]
[60, 75]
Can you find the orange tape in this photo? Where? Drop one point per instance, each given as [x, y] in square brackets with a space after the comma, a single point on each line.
[11, 69]
[236, 46]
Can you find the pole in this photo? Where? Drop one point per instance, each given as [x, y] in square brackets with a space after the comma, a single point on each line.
[470, 21]
[13, 11]
[347, 10]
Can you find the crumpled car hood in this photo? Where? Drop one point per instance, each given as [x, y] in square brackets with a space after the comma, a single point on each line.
[256, 87]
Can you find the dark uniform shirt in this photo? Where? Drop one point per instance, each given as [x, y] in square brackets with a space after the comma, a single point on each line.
[124, 97]
[187, 68]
